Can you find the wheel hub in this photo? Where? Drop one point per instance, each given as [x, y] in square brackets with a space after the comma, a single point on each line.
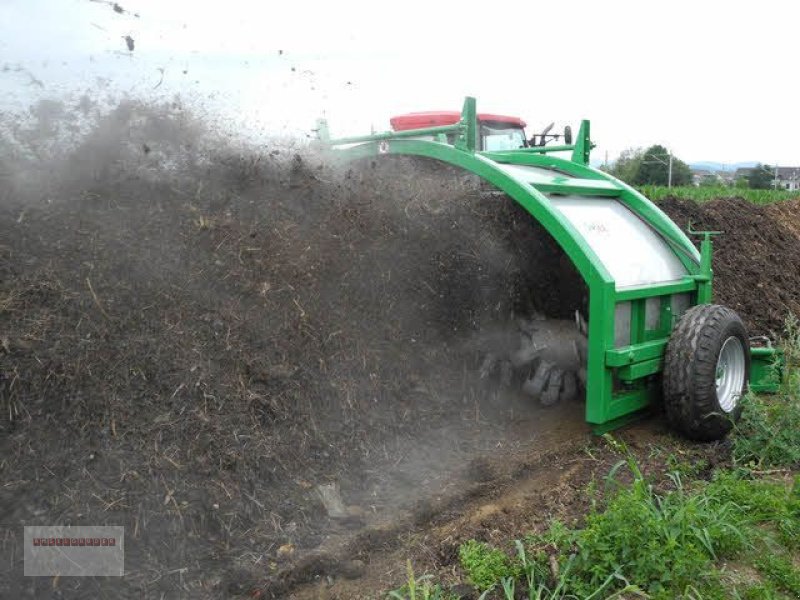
[730, 374]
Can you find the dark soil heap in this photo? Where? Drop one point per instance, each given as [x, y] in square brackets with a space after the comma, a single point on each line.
[196, 335]
[756, 259]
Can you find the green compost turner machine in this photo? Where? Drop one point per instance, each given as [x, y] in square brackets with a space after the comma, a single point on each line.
[653, 333]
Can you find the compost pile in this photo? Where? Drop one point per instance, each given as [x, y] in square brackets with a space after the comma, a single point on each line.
[201, 339]
[756, 259]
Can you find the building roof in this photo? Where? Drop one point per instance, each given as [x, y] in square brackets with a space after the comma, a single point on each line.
[789, 173]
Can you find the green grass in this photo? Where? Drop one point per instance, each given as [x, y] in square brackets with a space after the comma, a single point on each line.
[654, 545]
[649, 544]
[704, 194]
[781, 573]
[666, 544]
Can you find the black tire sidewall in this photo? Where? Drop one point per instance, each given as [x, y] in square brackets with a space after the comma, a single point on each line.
[690, 390]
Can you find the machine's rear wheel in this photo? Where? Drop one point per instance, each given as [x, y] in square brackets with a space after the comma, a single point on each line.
[706, 370]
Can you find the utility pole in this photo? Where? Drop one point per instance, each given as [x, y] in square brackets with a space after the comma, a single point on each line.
[667, 163]
[775, 183]
[669, 176]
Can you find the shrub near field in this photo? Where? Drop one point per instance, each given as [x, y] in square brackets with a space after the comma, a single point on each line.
[708, 193]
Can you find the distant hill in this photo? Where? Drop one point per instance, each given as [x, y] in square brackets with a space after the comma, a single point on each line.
[702, 165]
[715, 166]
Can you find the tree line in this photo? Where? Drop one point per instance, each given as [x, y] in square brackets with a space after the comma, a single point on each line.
[639, 166]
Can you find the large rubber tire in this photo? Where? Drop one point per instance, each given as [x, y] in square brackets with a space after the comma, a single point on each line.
[702, 392]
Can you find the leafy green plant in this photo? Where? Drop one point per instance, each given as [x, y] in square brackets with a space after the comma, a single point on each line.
[649, 544]
[535, 577]
[485, 566]
[768, 434]
[663, 542]
[419, 588]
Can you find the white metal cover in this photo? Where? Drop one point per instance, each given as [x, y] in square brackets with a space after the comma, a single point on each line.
[632, 252]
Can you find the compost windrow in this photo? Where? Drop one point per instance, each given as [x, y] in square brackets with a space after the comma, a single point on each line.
[239, 351]
[756, 257]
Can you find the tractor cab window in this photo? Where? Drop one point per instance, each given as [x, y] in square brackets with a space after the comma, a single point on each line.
[501, 136]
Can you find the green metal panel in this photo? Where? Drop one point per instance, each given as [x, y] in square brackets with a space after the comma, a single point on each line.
[394, 135]
[705, 276]
[584, 145]
[641, 369]
[619, 357]
[600, 380]
[637, 321]
[667, 318]
[468, 140]
[520, 157]
[626, 402]
[661, 289]
[578, 189]
[766, 369]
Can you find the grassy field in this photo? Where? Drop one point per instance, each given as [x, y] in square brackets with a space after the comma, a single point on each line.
[704, 194]
[732, 534]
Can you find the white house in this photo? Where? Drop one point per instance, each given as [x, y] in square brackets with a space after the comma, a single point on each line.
[789, 178]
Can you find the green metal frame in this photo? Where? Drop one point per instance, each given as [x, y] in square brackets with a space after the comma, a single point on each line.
[766, 369]
[620, 380]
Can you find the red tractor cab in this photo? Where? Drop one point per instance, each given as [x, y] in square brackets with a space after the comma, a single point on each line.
[496, 132]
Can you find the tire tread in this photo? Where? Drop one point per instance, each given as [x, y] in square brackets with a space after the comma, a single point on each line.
[690, 362]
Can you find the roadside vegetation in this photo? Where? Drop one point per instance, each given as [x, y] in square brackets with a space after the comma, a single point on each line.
[658, 174]
[732, 532]
[708, 193]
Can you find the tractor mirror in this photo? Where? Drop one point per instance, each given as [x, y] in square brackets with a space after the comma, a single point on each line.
[568, 135]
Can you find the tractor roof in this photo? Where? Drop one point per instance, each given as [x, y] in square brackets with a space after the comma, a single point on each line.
[418, 120]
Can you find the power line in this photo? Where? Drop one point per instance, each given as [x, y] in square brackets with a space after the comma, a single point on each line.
[668, 163]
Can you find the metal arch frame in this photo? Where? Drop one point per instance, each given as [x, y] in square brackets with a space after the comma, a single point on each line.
[619, 380]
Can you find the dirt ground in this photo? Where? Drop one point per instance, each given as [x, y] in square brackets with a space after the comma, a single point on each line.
[198, 338]
[525, 495]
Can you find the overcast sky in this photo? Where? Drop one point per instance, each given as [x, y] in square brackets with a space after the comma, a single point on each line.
[712, 80]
